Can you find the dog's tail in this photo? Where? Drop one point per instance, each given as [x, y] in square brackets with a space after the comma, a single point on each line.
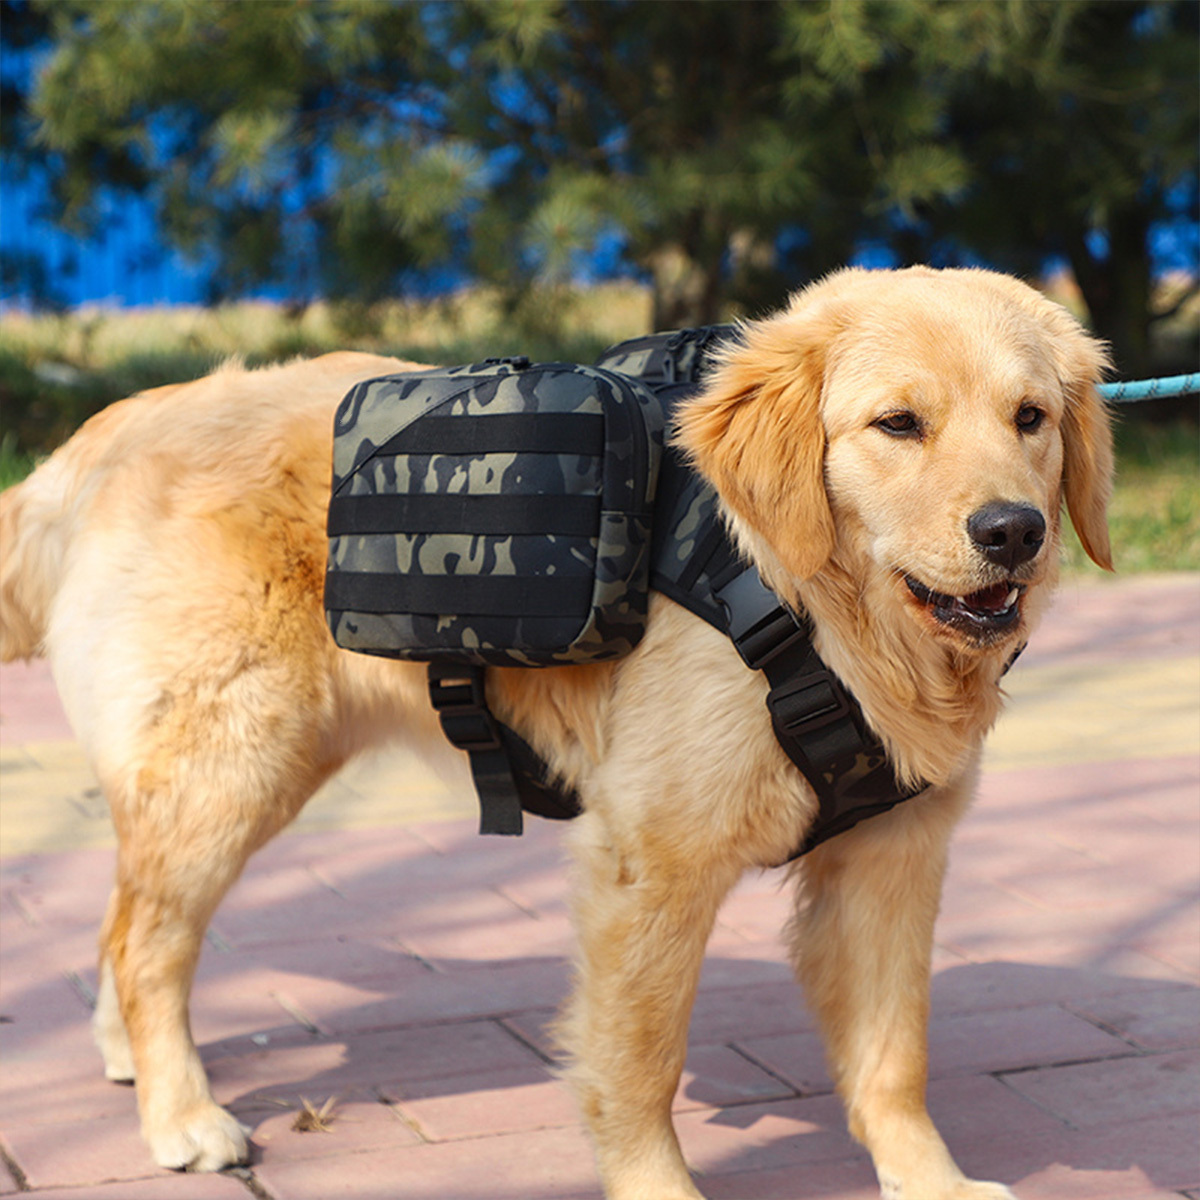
[37, 517]
[32, 547]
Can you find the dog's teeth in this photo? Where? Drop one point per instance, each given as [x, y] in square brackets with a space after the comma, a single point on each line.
[1011, 598]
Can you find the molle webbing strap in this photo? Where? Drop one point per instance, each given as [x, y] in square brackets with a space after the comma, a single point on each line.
[501, 433]
[442, 512]
[462, 595]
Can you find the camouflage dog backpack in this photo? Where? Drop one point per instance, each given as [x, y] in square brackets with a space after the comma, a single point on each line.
[516, 515]
[495, 514]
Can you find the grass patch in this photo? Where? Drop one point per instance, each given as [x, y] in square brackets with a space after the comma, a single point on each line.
[14, 464]
[1154, 517]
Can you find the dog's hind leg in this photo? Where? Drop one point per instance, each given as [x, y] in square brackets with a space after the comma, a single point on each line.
[108, 1026]
[153, 945]
[642, 924]
[187, 820]
[862, 940]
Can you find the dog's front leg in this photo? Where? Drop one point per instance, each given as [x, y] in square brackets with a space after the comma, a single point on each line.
[643, 914]
[862, 941]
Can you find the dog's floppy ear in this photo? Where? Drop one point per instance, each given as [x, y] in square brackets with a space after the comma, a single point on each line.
[1088, 468]
[1087, 471]
[1081, 361]
[755, 434]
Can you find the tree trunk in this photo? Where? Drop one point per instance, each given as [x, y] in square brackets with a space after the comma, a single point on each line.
[687, 292]
[1117, 289]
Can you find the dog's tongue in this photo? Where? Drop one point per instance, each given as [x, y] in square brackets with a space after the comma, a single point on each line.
[993, 599]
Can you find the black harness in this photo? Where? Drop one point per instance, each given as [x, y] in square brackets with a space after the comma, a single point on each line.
[818, 723]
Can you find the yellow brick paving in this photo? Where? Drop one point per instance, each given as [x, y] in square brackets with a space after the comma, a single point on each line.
[1070, 713]
[50, 801]
[1059, 714]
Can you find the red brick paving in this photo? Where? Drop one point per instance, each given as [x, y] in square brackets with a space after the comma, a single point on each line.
[409, 973]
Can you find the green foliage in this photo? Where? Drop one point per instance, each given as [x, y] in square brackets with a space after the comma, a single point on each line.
[227, 111]
[340, 145]
[14, 464]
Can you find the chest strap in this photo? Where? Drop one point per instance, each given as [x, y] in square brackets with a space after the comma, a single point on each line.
[817, 722]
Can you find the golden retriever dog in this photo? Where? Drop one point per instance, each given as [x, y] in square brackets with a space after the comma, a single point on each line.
[892, 450]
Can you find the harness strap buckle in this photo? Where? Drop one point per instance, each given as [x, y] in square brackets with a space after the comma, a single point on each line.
[458, 698]
[757, 624]
[806, 702]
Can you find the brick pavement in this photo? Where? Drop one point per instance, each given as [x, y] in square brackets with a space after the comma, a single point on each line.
[383, 956]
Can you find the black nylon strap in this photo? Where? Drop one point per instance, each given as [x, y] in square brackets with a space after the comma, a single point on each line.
[502, 433]
[499, 515]
[509, 777]
[459, 595]
[530, 779]
[817, 722]
[458, 697]
[499, 801]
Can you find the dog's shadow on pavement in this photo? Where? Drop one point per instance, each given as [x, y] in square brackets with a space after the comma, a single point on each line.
[406, 990]
[1056, 1076]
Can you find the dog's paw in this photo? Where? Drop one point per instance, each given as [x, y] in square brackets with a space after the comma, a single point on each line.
[962, 1189]
[209, 1139]
[118, 1065]
[971, 1189]
[113, 1043]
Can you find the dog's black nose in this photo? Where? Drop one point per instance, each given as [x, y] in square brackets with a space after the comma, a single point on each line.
[1007, 534]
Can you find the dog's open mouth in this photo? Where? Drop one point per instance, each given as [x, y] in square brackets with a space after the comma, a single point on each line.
[983, 615]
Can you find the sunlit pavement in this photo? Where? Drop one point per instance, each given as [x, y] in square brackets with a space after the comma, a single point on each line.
[381, 955]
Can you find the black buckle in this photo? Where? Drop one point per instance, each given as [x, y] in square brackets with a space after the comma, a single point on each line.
[809, 701]
[699, 337]
[458, 698]
[759, 626]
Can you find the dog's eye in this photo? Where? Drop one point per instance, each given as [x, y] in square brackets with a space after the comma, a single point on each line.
[900, 424]
[1029, 418]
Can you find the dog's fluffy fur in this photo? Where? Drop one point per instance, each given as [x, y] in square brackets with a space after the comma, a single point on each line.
[169, 560]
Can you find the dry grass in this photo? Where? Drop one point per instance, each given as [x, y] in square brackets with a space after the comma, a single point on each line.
[55, 370]
[58, 369]
[311, 1119]
[104, 339]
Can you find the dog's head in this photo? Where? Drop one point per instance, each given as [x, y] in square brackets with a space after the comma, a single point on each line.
[920, 427]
